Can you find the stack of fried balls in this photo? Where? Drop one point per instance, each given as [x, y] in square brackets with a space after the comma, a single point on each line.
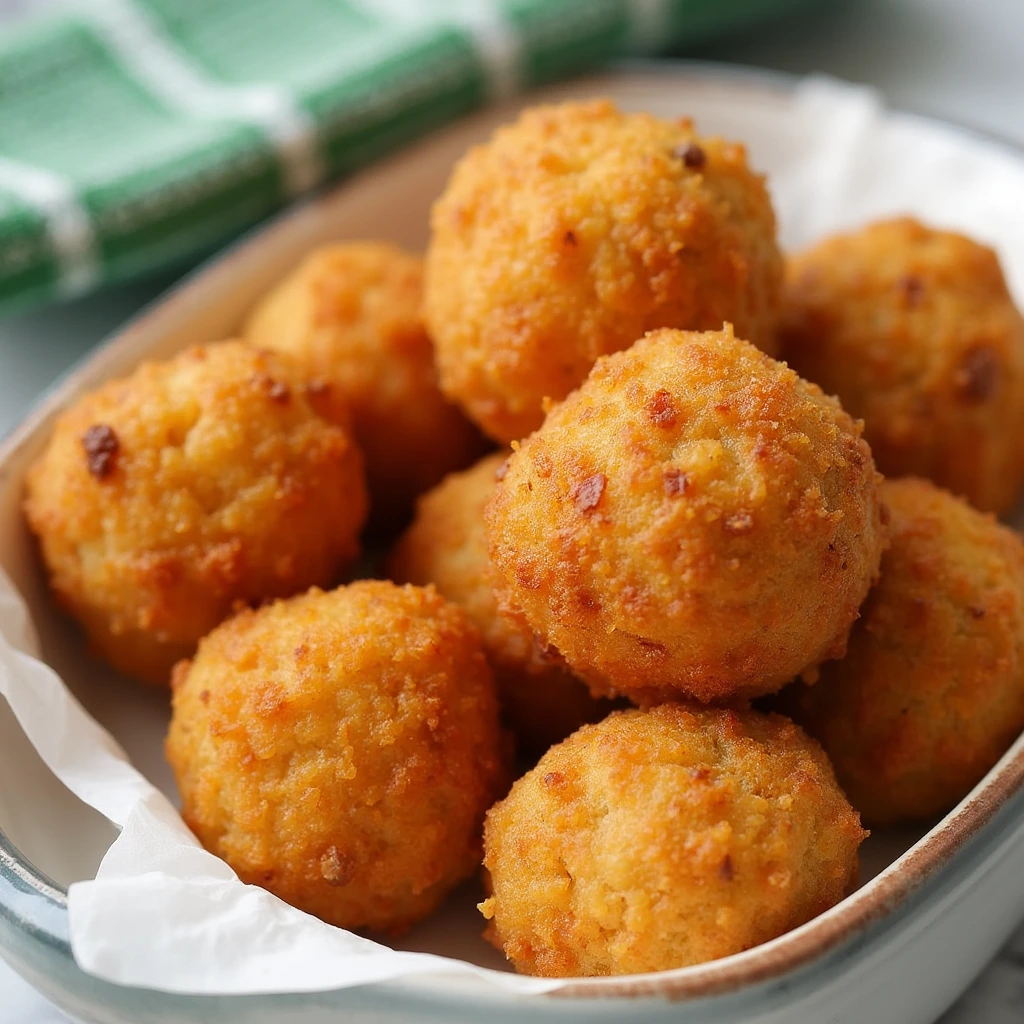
[621, 463]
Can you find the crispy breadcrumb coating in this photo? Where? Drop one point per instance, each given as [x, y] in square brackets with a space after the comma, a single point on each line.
[931, 691]
[575, 230]
[541, 700]
[165, 498]
[664, 838]
[695, 520]
[915, 331]
[351, 316]
[340, 749]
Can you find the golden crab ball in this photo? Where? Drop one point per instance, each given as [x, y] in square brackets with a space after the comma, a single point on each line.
[695, 520]
[340, 749]
[166, 498]
[351, 316]
[658, 839]
[575, 230]
[541, 700]
[931, 691]
[916, 333]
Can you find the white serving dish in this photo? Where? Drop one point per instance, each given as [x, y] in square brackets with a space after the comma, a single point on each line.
[935, 905]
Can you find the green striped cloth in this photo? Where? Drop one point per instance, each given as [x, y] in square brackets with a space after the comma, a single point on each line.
[139, 133]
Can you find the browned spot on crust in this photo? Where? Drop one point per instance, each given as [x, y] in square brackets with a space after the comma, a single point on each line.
[649, 645]
[976, 612]
[204, 696]
[527, 575]
[570, 239]
[277, 390]
[166, 570]
[554, 779]
[912, 289]
[978, 375]
[738, 522]
[692, 155]
[270, 702]
[677, 483]
[336, 867]
[884, 515]
[701, 774]
[587, 493]
[662, 410]
[101, 447]
[317, 387]
[725, 870]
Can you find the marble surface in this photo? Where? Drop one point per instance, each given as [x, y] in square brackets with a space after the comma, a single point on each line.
[949, 58]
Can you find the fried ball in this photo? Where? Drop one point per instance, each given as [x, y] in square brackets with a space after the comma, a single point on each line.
[694, 520]
[575, 230]
[167, 497]
[664, 838]
[351, 315]
[541, 700]
[931, 691]
[915, 331]
[340, 749]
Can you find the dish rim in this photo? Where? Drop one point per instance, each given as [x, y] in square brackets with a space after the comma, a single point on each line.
[798, 949]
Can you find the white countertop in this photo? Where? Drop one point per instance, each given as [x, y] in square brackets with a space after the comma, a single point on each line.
[961, 59]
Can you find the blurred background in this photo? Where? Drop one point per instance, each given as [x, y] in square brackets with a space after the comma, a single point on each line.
[139, 136]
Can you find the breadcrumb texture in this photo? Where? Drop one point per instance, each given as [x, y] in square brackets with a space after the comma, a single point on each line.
[351, 315]
[340, 749]
[915, 331]
[931, 691]
[659, 839]
[694, 520]
[575, 230]
[165, 498]
[541, 700]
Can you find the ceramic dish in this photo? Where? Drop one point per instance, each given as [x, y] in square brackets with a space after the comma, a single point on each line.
[934, 905]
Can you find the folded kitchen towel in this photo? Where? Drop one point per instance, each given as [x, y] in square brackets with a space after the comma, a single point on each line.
[137, 133]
